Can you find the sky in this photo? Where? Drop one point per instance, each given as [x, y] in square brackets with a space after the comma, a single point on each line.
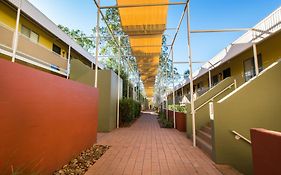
[204, 14]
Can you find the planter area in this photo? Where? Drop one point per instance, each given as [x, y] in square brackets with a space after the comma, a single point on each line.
[80, 164]
[180, 119]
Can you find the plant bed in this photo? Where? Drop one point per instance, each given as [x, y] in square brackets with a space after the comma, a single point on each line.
[80, 164]
[163, 122]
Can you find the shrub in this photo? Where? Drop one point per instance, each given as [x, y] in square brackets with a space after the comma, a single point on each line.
[164, 123]
[128, 110]
[178, 108]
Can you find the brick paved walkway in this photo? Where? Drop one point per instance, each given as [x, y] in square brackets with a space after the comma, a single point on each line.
[146, 149]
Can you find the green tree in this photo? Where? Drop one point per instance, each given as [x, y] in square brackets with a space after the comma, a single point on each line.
[80, 37]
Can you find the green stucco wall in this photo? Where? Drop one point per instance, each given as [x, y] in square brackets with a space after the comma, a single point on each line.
[255, 104]
[107, 86]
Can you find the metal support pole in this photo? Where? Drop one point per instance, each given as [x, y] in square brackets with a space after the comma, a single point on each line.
[210, 80]
[256, 59]
[97, 44]
[174, 112]
[191, 77]
[16, 33]
[167, 114]
[128, 86]
[68, 62]
[256, 62]
[118, 83]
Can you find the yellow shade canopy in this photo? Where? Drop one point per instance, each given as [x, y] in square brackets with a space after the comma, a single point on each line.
[145, 26]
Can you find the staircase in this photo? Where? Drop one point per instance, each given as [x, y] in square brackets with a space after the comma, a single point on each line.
[204, 139]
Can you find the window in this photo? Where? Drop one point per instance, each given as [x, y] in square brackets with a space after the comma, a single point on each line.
[249, 67]
[226, 73]
[29, 34]
[56, 49]
[215, 80]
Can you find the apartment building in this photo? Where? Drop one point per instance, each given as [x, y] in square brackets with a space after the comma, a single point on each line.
[28, 37]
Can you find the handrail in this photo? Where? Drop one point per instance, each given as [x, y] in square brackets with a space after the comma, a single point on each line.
[212, 98]
[239, 136]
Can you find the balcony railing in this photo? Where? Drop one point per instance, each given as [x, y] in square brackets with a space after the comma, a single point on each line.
[31, 52]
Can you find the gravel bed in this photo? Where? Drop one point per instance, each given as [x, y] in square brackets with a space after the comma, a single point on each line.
[80, 164]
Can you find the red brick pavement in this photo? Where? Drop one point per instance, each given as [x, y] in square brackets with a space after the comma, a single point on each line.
[145, 148]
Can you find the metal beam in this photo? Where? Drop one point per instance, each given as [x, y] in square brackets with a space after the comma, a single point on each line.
[187, 62]
[142, 5]
[221, 30]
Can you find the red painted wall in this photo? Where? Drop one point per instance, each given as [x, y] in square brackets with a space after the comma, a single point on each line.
[266, 148]
[45, 120]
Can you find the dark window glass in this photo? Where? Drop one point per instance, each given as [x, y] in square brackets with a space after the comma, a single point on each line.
[215, 80]
[56, 49]
[226, 73]
[249, 67]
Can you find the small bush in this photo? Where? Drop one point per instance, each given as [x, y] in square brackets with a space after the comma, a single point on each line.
[178, 108]
[164, 123]
[129, 109]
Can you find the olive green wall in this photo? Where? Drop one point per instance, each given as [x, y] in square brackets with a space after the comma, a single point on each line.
[107, 86]
[202, 115]
[256, 104]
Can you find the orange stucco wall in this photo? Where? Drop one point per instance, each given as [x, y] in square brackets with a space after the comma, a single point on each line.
[45, 120]
[266, 146]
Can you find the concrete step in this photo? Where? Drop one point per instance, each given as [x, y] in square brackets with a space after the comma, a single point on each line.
[205, 136]
[207, 129]
[204, 146]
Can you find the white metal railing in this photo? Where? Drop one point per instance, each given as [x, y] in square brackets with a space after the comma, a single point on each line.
[219, 93]
[30, 59]
[239, 136]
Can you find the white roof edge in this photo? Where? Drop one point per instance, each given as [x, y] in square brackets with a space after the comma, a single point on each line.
[245, 38]
[49, 25]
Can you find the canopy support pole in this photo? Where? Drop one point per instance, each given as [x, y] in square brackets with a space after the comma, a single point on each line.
[118, 82]
[191, 77]
[97, 44]
[174, 112]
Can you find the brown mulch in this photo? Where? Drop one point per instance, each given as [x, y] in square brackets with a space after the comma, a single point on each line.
[80, 164]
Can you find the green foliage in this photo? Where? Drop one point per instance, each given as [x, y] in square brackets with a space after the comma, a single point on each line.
[164, 123]
[80, 37]
[177, 108]
[129, 109]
